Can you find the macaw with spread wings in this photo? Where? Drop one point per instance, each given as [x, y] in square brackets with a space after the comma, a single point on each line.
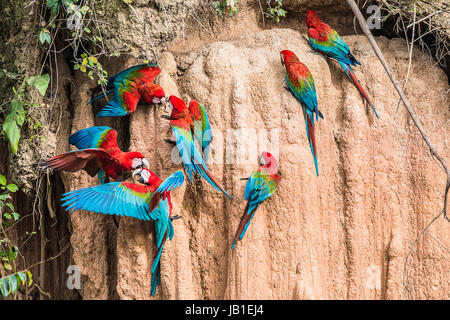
[98, 154]
[147, 201]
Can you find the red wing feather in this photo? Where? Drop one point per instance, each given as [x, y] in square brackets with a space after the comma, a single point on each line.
[149, 73]
[110, 140]
[91, 160]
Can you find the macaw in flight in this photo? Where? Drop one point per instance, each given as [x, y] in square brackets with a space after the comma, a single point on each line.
[128, 87]
[182, 124]
[327, 42]
[97, 154]
[301, 83]
[147, 201]
[261, 185]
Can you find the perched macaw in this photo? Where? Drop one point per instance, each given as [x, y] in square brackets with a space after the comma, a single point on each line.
[98, 154]
[327, 42]
[182, 123]
[129, 86]
[260, 186]
[201, 127]
[144, 202]
[301, 83]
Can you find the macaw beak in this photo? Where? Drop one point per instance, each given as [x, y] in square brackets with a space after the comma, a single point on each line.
[136, 172]
[165, 103]
[145, 163]
[262, 161]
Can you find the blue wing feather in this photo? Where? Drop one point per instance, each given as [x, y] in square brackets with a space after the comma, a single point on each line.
[112, 198]
[89, 138]
[171, 182]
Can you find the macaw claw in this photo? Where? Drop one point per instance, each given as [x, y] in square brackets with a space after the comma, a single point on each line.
[174, 143]
[175, 217]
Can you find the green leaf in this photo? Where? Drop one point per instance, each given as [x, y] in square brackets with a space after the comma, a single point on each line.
[40, 82]
[12, 187]
[16, 216]
[12, 283]
[11, 206]
[7, 266]
[22, 276]
[53, 5]
[8, 216]
[17, 110]
[4, 196]
[2, 180]
[13, 253]
[44, 36]
[84, 9]
[4, 287]
[30, 278]
[12, 132]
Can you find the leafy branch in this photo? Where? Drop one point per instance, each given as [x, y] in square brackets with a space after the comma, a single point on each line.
[226, 7]
[18, 107]
[276, 12]
[9, 252]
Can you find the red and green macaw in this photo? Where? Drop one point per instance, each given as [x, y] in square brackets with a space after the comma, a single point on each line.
[260, 186]
[301, 83]
[129, 86]
[182, 124]
[98, 154]
[327, 42]
[201, 127]
[148, 201]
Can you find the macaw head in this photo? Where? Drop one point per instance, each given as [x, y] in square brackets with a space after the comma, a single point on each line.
[136, 160]
[268, 160]
[312, 18]
[287, 57]
[145, 176]
[176, 103]
[178, 107]
[154, 94]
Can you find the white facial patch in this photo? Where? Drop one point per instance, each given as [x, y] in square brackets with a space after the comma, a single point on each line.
[170, 105]
[262, 161]
[145, 175]
[137, 162]
[145, 163]
[156, 100]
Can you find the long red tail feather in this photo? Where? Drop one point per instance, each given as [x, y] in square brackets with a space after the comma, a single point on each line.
[361, 89]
